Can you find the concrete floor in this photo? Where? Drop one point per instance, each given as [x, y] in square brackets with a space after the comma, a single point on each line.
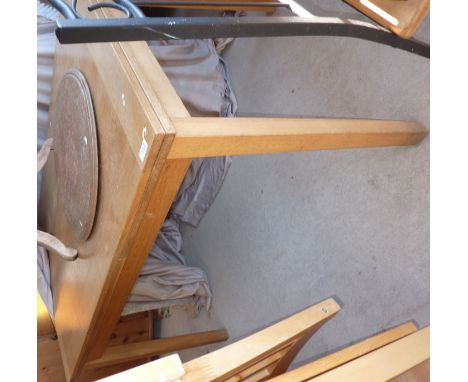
[289, 230]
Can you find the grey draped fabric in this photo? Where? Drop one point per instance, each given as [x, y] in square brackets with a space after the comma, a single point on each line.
[200, 78]
[198, 74]
[201, 184]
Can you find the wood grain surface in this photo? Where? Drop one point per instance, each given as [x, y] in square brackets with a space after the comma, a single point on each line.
[385, 363]
[331, 361]
[135, 191]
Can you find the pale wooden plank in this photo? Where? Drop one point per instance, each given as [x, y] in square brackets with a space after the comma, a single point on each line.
[134, 351]
[202, 137]
[231, 360]
[385, 363]
[167, 369]
[92, 375]
[347, 354]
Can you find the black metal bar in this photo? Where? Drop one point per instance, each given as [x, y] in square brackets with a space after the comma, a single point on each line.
[176, 28]
[213, 3]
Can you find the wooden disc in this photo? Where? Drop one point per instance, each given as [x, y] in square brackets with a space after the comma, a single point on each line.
[75, 152]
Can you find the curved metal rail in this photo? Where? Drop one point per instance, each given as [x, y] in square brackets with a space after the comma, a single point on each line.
[136, 27]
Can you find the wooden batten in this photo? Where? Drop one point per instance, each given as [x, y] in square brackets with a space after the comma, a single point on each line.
[347, 354]
[385, 363]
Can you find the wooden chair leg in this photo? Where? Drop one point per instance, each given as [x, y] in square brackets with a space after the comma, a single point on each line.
[167, 369]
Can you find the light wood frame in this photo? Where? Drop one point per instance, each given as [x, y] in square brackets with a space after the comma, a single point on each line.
[383, 364]
[266, 355]
[262, 355]
[347, 354]
[135, 103]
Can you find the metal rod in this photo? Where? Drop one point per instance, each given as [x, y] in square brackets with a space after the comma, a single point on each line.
[132, 8]
[64, 9]
[212, 3]
[176, 28]
[93, 7]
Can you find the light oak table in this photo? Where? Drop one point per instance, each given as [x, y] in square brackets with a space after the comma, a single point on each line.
[146, 140]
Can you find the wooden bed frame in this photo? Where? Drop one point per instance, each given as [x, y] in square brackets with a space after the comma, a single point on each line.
[136, 108]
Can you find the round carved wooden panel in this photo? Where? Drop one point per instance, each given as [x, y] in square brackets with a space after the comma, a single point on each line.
[75, 152]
